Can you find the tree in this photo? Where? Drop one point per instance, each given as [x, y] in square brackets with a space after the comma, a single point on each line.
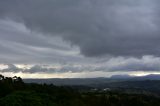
[1, 77]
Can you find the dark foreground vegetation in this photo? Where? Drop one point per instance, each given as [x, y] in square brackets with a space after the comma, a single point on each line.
[14, 92]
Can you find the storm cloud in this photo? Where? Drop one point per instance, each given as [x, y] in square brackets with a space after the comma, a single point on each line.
[80, 36]
[105, 27]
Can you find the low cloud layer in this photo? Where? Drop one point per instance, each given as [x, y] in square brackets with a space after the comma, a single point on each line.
[146, 63]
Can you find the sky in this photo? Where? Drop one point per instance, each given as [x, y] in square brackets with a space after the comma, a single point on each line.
[79, 38]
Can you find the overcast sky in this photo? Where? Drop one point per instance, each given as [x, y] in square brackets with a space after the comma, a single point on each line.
[79, 38]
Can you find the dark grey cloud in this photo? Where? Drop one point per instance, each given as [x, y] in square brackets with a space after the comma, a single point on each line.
[38, 68]
[20, 45]
[80, 36]
[72, 68]
[146, 63]
[118, 28]
[11, 68]
[34, 69]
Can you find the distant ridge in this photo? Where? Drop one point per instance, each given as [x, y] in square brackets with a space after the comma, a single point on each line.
[125, 76]
[145, 77]
[90, 81]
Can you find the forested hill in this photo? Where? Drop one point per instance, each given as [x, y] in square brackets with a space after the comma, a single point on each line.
[95, 81]
[14, 92]
[138, 83]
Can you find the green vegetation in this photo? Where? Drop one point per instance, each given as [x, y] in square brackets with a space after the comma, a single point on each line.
[14, 92]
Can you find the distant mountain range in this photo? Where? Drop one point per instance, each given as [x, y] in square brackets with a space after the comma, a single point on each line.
[146, 77]
[126, 76]
[126, 83]
[93, 81]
